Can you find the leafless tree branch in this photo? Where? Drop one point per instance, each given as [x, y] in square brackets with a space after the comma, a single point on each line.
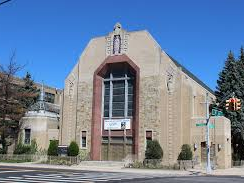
[4, 2]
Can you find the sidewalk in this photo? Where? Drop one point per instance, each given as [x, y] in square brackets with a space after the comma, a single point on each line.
[231, 171]
[190, 172]
[105, 169]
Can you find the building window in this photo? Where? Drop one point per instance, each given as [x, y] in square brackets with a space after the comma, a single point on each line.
[49, 97]
[27, 136]
[118, 92]
[83, 139]
[148, 135]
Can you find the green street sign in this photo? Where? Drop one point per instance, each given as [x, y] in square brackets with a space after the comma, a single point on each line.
[220, 113]
[216, 112]
[201, 124]
[204, 124]
[211, 126]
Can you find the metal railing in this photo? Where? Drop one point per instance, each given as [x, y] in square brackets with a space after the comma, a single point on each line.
[239, 163]
[54, 160]
[21, 157]
[62, 160]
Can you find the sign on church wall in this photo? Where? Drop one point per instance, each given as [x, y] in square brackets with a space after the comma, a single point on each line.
[116, 124]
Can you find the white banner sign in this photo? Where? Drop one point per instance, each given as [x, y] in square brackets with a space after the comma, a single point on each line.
[116, 124]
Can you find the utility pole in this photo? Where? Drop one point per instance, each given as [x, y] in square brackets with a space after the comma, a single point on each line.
[216, 112]
[208, 167]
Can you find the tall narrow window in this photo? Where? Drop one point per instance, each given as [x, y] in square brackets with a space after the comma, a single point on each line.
[106, 98]
[118, 92]
[148, 135]
[130, 97]
[118, 98]
[83, 139]
[27, 136]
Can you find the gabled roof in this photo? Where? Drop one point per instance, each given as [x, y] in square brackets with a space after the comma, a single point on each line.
[186, 71]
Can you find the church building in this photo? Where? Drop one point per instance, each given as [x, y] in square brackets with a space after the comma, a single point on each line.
[125, 90]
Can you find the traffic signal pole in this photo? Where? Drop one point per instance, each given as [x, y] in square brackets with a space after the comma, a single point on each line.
[208, 167]
[236, 106]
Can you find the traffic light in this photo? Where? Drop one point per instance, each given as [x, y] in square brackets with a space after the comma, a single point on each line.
[230, 104]
[238, 104]
[233, 104]
[227, 104]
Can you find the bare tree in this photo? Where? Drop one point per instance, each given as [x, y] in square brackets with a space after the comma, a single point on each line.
[3, 2]
[11, 96]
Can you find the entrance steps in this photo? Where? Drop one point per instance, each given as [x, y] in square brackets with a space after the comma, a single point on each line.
[115, 164]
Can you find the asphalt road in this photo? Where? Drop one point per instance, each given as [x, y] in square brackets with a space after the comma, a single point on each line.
[16, 174]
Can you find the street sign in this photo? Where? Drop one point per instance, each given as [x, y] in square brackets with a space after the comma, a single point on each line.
[201, 124]
[220, 113]
[211, 126]
[205, 124]
[216, 112]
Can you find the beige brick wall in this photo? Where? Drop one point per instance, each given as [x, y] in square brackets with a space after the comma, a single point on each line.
[42, 128]
[220, 135]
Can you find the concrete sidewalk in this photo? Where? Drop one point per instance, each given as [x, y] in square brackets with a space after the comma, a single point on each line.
[105, 169]
[223, 172]
[230, 171]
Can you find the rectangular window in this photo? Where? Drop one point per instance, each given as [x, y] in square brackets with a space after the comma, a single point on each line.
[130, 97]
[148, 135]
[49, 97]
[83, 139]
[106, 98]
[27, 139]
[118, 98]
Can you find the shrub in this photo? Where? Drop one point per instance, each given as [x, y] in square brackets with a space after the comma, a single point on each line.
[53, 148]
[186, 153]
[137, 164]
[22, 149]
[153, 150]
[84, 155]
[26, 149]
[73, 149]
[33, 146]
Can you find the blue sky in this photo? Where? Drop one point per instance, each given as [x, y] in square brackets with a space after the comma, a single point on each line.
[49, 35]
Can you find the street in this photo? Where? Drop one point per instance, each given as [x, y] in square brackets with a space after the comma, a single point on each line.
[18, 174]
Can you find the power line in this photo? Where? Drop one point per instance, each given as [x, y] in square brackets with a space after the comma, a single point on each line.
[4, 2]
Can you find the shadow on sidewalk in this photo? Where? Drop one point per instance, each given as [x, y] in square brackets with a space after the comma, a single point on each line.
[194, 172]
